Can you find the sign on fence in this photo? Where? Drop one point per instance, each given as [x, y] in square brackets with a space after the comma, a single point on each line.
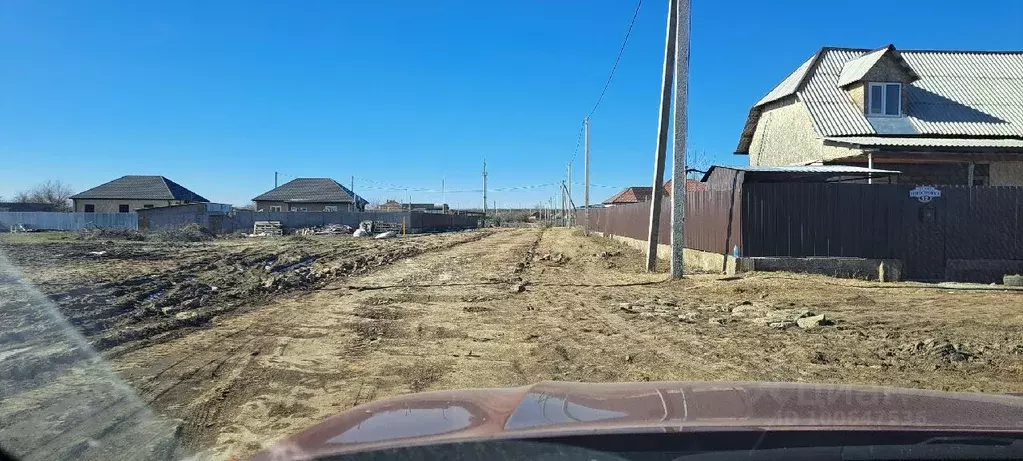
[925, 193]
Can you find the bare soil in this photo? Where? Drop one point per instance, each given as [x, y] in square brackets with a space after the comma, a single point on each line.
[276, 348]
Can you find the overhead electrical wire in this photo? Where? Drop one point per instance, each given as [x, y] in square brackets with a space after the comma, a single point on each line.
[610, 78]
[621, 51]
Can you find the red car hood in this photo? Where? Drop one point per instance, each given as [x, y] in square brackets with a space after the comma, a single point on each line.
[562, 408]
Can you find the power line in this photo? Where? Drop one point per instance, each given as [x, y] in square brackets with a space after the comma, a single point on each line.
[618, 59]
[578, 141]
[399, 188]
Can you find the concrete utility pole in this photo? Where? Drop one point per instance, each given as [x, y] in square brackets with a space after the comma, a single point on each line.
[564, 207]
[662, 136]
[550, 204]
[678, 157]
[484, 189]
[571, 216]
[586, 176]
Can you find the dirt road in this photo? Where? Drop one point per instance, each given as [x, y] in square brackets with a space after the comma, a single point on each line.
[526, 305]
[456, 319]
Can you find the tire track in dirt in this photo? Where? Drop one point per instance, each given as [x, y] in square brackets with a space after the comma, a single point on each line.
[205, 378]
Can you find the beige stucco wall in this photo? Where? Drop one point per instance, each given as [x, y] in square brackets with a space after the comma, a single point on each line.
[1006, 173]
[856, 95]
[113, 205]
[785, 136]
[310, 206]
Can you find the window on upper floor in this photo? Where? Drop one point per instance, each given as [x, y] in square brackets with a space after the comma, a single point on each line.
[884, 99]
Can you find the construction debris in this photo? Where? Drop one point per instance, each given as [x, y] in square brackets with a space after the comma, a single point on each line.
[328, 229]
[266, 228]
[387, 235]
[360, 232]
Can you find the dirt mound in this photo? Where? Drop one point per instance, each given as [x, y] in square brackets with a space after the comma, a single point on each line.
[188, 233]
[108, 234]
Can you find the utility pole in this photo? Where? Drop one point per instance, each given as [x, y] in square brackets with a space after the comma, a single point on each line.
[443, 198]
[355, 200]
[275, 180]
[484, 189]
[662, 136]
[571, 215]
[564, 218]
[586, 176]
[678, 158]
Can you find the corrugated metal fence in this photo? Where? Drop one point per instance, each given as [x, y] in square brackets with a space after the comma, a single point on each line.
[68, 221]
[967, 224]
[711, 220]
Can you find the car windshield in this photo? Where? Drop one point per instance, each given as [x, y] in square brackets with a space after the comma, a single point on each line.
[232, 227]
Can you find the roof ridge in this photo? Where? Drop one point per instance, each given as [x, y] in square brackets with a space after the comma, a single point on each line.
[965, 51]
[907, 50]
[164, 180]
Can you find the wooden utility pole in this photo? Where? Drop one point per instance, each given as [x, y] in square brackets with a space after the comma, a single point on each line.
[678, 157]
[586, 176]
[484, 189]
[662, 136]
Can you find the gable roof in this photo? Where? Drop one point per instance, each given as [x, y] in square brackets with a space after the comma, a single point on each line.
[856, 69]
[958, 93]
[310, 190]
[137, 187]
[633, 194]
[692, 185]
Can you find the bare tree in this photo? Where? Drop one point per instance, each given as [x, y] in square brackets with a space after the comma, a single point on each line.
[697, 163]
[54, 193]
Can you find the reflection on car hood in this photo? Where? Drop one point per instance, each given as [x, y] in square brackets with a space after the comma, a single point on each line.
[561, 408]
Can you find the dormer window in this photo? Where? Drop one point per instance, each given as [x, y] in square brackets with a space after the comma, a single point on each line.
[884, 99]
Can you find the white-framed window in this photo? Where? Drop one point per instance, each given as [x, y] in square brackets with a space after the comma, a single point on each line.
[330, 208]
[274, 208]
[884, 99]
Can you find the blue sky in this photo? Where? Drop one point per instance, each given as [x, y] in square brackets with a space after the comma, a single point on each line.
[219, 95]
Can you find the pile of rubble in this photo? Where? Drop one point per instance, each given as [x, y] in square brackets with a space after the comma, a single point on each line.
[328, 229]
[555, 259]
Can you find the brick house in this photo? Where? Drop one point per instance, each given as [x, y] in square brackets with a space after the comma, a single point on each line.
[132, 192]
[939, 117]
[310, 194]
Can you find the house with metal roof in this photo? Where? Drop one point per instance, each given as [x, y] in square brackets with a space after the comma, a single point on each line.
[310, 194]
[637, 194]
[938, 117]
[132, 192]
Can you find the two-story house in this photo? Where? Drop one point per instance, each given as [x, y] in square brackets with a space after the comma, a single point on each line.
[939, 117]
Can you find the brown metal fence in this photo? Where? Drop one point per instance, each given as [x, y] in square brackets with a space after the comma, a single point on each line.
[711, 221]
[957, 231]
